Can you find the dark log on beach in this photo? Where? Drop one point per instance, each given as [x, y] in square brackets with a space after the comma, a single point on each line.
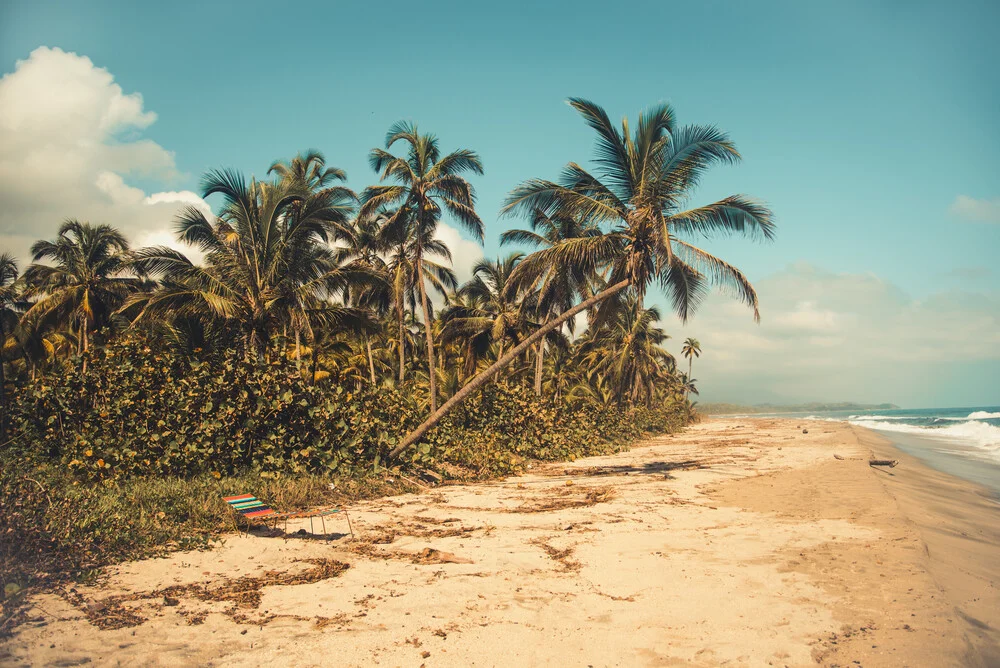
[838, 457]
[883, 462]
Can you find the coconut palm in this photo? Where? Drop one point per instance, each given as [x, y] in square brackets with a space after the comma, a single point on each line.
[308, 172]
[628, 349]
[643, 180]
[362, 243]
[690, 350]
[488, 310]
[267, 262]
[90, 279]
[426, 185]
[559, 287]
[10, 307]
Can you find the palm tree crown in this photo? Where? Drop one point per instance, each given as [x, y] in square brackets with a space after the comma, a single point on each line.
[267, 259]
[643, 179]
[426, 184]
[91, 276]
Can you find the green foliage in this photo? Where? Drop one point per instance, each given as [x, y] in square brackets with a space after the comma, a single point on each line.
[140, 412]
[143, 412]
[505, 427]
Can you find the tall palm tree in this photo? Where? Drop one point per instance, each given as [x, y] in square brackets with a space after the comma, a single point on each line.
[309, 176]
[268, 262]
[628, 349]
[91, 277]
[558, 287]
[405, 255]
[643, 179]
[426, 184]
[690, 350]
[488, 310]
[10, 307]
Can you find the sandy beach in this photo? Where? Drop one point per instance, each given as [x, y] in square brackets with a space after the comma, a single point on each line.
[737, 542]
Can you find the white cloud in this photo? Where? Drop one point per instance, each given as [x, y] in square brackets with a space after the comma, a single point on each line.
[976, 210]
[69, 139]
[464, 253]
[849, 337]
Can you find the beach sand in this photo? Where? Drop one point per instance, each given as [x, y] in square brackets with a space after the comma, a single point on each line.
[738, 542]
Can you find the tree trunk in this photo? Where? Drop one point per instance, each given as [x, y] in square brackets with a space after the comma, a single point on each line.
[484, 376]
[402, 347]
[298, 352]
[371, 360]
[315, 364]
[539, 360]
[430, 336]
[86, 347]
[690, 362]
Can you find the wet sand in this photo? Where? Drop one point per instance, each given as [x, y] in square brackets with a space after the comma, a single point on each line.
[738, 542]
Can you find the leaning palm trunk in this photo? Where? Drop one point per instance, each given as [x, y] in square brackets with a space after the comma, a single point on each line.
[430, 336]
[505, 360]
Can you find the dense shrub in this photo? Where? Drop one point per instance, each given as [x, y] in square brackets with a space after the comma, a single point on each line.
[139, 412]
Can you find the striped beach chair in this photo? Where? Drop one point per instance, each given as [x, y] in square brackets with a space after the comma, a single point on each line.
[252, 509]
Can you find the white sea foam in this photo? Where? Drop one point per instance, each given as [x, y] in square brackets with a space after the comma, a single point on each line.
[883, 417]
[976, 434]
[982, 415]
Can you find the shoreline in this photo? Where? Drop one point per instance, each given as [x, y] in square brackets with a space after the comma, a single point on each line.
[948, 510]
[739, 541]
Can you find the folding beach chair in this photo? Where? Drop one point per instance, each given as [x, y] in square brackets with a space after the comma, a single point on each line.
[253, 509]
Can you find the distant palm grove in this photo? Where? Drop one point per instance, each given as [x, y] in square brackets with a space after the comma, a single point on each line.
[312, 327]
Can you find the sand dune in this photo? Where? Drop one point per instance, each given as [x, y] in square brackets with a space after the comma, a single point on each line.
[739, 542]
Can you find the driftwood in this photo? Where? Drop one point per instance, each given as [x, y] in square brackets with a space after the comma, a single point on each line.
[891, 463]
[838, 457]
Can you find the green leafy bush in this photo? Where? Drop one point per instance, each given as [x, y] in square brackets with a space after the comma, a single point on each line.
[140, 412]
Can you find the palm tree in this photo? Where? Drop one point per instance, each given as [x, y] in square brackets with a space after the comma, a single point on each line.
[426, 185]
[91, 278]
[629, 350]
[559, 287]
[10, 306]
[267, 262]
[642, 181]
[690, 350]
[687, 385]
[405, 255]
[308, 175]
[308, 172]
[363, 243]
[490, 312]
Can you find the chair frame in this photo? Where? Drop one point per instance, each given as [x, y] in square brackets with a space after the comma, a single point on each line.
[252, 509]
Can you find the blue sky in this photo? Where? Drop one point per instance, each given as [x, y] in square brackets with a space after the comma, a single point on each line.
[868, 127]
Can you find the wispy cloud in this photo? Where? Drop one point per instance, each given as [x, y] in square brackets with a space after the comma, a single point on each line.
[837, 336]
[976, 210]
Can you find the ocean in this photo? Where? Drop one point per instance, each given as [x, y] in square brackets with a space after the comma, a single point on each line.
[963, 442]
